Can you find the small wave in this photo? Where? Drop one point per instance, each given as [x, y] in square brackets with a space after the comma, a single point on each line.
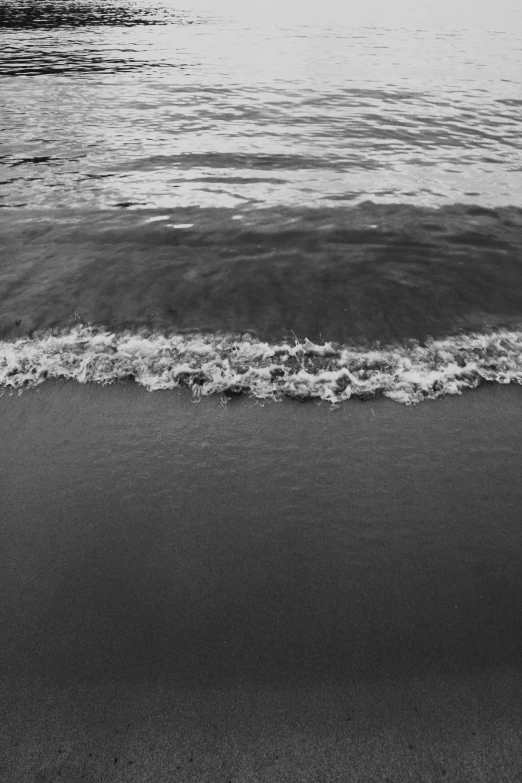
[227, 363]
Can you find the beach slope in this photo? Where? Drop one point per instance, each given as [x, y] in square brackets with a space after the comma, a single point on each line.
[247, 592]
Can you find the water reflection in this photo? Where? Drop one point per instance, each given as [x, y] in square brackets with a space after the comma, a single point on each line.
[210, 109]
[40, 38]
[48, 15]
[40, 58]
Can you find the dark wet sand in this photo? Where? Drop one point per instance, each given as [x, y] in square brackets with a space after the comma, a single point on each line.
[244, 593]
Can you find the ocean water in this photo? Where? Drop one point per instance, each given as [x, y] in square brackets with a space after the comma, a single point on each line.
[303, 199]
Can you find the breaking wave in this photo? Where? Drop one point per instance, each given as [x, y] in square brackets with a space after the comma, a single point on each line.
[226, 363]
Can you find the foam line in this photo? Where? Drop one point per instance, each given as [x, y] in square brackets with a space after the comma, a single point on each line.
[218, 363]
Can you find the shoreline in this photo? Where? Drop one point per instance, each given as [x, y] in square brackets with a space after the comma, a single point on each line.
[231, 364]
[267, 593]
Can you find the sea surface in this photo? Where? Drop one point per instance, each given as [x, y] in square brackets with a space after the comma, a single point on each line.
[314, 199]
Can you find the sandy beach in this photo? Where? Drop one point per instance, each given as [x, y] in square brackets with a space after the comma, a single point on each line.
[316, 204]
[239, 592]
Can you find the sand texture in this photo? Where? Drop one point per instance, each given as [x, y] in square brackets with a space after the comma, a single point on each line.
[209, 592]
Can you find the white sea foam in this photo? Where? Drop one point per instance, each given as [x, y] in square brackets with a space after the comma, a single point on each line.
[210, 364]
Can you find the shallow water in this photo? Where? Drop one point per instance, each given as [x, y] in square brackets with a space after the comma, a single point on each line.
[295, 172]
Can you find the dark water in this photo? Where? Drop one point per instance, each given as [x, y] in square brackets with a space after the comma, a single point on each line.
[297, 171]
[376, 272]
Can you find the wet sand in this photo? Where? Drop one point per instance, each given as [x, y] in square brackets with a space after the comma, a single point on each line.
[200, 592]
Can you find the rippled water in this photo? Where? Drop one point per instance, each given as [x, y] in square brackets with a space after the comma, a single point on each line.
[296, 170]
[180, 104]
